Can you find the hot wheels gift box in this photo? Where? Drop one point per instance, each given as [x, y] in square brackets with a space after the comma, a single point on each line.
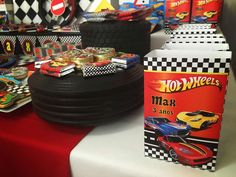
[204, 11]
[177, 11]
[183, 105]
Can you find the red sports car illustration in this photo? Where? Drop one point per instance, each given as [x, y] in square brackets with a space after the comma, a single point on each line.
[185, 153]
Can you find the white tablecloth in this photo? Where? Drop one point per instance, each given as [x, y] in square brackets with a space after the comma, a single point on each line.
[117, 149]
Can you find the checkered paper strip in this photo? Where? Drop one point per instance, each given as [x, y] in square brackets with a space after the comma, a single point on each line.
[195, 26]
[157, 153]
[197, 36]
[188, 61]
[200, 41]
[70, 39]
[90, 70]
[199, 65]
[190, 31]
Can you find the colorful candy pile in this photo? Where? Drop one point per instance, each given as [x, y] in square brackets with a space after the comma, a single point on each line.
[90, 61]
[52, 48]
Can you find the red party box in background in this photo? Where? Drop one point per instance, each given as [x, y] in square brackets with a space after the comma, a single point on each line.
[206, 11]
[177, 11]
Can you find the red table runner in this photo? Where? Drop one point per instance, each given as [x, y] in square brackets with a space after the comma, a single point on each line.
[32, 147]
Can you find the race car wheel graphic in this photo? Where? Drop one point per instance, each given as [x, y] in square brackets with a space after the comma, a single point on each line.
[131, 37]
[173, 154]
[51, 20]
[204, 125]
[78, 101]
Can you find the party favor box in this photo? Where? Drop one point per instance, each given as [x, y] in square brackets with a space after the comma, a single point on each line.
[206, 11]
[177, 11]
[183, 105]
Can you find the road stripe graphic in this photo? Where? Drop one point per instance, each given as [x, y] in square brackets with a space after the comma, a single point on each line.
[58, 6]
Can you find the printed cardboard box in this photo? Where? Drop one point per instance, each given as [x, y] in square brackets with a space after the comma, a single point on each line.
[177, 11]
[156, 18]
[183, 105]
[204, 11]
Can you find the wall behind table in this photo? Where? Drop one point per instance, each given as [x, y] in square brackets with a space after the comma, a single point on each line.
[228, 26]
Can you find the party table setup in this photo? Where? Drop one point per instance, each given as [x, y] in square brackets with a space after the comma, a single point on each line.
[117, 89]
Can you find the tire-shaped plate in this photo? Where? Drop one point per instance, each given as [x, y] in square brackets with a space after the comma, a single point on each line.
[86, 101]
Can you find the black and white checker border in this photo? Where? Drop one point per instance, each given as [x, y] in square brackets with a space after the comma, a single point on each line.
[204, 36]
[90, 70]
[70, 39]
[195, 26]
[199, 65]
[190, 31]
[197, 42]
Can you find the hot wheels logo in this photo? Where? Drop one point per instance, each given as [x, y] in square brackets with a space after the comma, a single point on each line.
[178, 3]
[184, 84]
[203, 2]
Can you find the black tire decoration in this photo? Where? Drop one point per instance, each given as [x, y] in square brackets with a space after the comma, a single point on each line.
[75, 100]
[125, 36]
[50, 20]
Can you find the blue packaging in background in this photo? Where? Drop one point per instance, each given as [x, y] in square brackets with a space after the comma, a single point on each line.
[156, 18]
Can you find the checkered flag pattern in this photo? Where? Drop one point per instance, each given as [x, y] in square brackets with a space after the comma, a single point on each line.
[19, 89]
[91, 70]
[3, 39]
[211, 166]
[204, 36]
[45, 39]
[196, 42]
[189, 31]
[168, 31]
[70, 39]
[26, 11]
[200, 65]
[195, 31]
[154, 152]
[195, 26]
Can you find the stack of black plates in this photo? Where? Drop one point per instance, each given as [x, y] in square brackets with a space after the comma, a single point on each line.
[75, 100]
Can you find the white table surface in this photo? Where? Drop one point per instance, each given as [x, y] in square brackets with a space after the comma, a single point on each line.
[117, 149]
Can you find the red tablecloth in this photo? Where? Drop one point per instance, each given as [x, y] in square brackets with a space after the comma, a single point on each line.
[32, 147]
